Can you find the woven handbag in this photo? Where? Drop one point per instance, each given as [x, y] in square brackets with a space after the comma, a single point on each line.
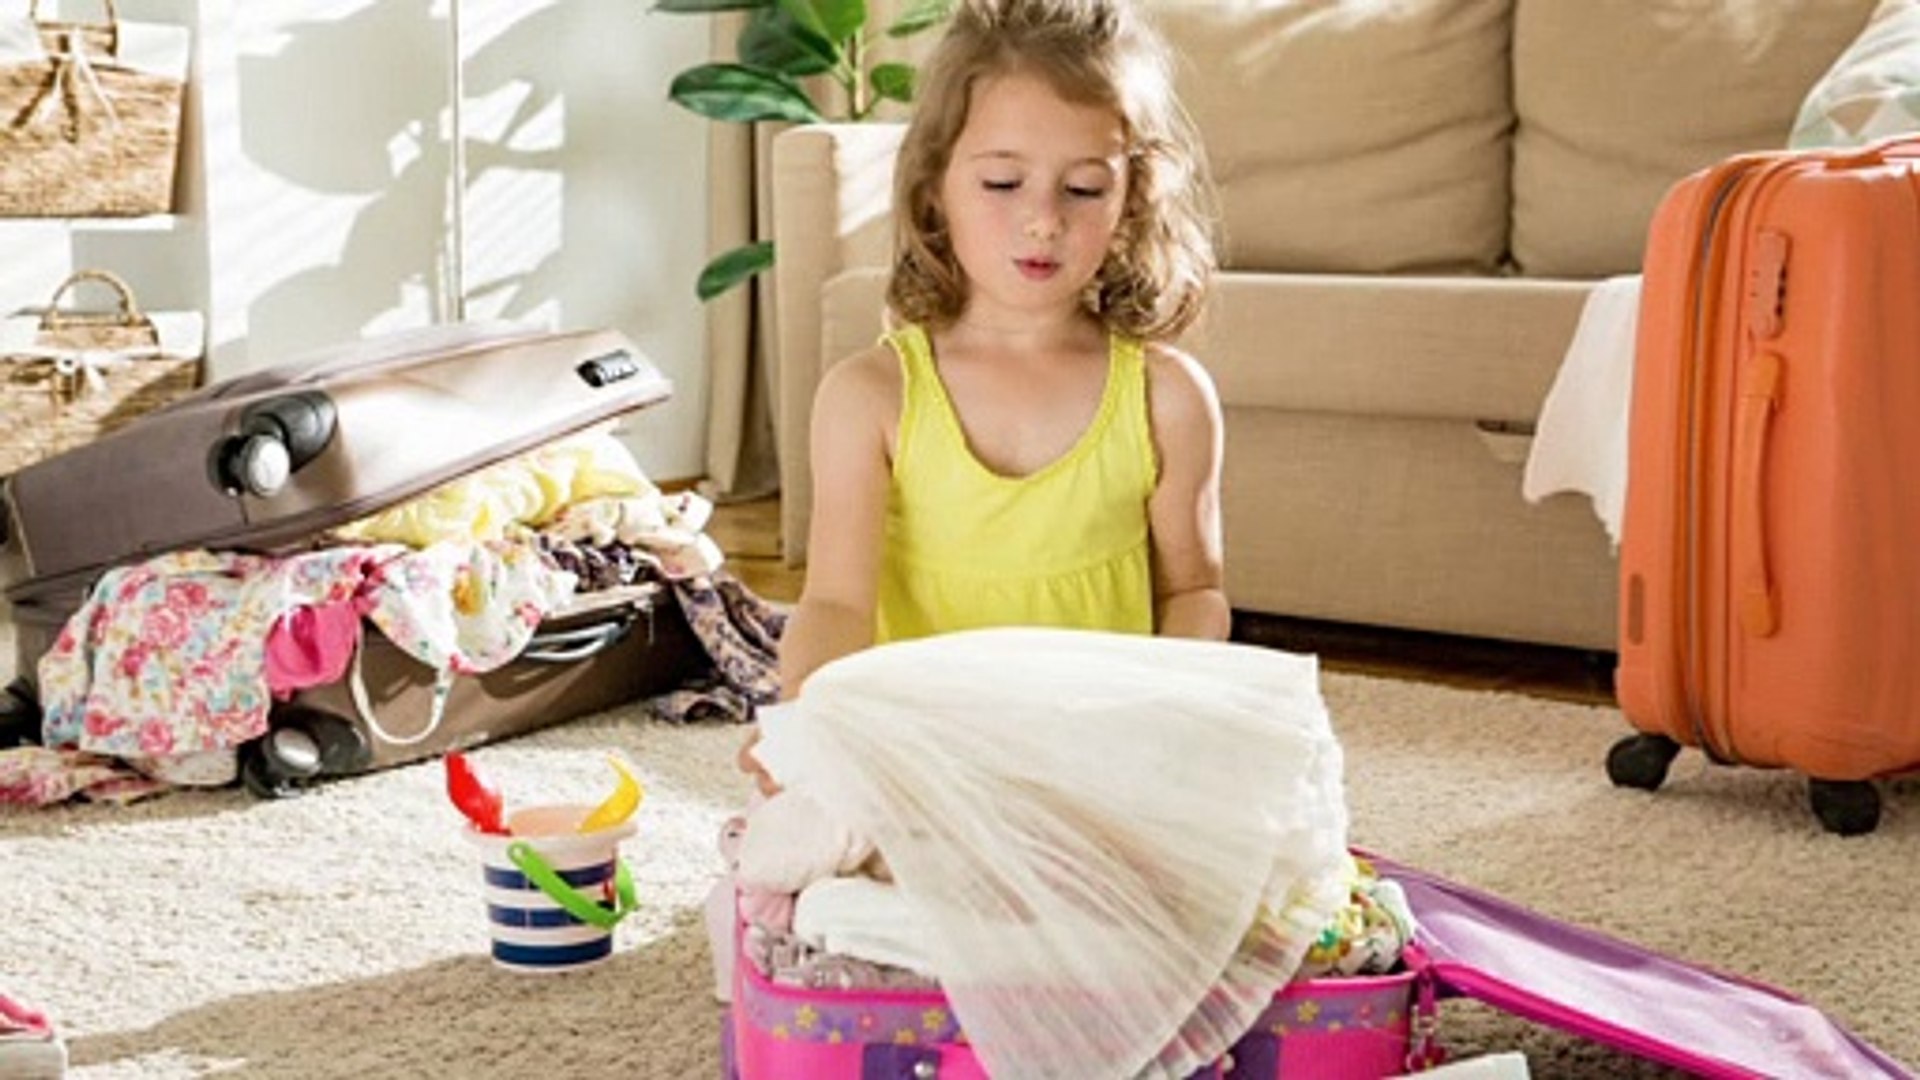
[89, 115]
[75, 376]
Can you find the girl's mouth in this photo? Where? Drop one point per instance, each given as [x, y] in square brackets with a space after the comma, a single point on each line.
[1037, 269]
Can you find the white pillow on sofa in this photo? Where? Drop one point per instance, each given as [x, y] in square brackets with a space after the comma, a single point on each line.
[1873, 90]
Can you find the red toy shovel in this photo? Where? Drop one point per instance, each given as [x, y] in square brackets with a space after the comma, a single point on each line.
[475, 795]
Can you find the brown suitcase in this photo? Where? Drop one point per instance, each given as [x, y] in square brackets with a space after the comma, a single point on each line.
[269, 461]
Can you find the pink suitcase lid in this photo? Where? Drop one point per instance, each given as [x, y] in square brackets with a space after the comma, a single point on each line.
[1665, 1010]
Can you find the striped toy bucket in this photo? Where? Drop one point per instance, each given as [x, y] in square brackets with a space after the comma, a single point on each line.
[553, 893]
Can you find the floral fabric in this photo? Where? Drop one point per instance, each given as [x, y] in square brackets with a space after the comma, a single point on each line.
[466, 607]
[168, 656]
[37, 776]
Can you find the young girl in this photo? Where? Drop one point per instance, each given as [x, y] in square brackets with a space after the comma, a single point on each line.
[1026, 448]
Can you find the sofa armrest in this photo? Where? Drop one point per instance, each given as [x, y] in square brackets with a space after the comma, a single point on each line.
[832, 193]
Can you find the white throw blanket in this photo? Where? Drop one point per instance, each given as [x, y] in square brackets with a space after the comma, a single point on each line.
[1116, 848]
[1580, 442]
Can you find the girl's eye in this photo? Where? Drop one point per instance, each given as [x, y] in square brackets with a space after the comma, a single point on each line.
[1000, 185]
[1085, 192]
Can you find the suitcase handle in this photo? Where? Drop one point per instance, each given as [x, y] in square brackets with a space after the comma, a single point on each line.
[363, 706]
[1898, 146]
[1759, 397]
[579, 643]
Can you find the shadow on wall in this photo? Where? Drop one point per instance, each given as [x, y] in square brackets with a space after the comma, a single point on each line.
[350, 108]
[564, 130]
[551, 151]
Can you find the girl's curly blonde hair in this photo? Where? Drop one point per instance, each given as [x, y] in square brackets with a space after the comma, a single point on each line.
[1092, 52]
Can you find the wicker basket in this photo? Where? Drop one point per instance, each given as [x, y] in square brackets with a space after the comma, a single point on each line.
[92, 126]
[85, 375]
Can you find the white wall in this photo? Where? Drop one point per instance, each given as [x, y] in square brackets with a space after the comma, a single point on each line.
[318, 194]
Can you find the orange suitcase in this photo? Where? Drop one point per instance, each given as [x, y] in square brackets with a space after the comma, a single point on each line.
[1770, 555]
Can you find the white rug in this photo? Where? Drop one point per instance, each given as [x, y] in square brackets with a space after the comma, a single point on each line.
[341, 935]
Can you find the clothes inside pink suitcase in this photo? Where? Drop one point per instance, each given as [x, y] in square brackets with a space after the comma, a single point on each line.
[1320, 1029]
[1467, 944]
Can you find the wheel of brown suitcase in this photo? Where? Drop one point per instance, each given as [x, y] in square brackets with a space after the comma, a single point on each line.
[1845, 807]
[1640, 761]
[302, 746]
[19, 715]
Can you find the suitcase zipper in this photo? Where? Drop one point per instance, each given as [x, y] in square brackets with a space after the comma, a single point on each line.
[1697, 698]
[1689, 684]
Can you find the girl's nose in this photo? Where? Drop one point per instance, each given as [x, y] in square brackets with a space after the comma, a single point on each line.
[1043, 226]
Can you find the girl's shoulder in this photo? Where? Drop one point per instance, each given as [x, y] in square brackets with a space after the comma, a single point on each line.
[1179, 388]
[869, 378]
[1166, 362]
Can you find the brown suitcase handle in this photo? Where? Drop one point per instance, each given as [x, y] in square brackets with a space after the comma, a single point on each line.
[580, 643]
[557, 647]
[363, 706]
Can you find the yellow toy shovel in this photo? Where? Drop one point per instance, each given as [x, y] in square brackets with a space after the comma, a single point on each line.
[620, 805]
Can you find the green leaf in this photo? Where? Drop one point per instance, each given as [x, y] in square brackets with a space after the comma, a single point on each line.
[705, 7]
[804, 14]
[920, 15]
[843, 19]
[893, 81]
[732, 268]
[739, 93]
[771, 40]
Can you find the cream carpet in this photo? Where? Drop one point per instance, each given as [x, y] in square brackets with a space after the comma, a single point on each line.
[340, 934]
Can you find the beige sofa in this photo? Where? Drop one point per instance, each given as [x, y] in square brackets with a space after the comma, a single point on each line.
[1416, 199]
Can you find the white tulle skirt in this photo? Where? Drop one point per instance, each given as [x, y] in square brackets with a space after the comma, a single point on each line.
[1120, 847]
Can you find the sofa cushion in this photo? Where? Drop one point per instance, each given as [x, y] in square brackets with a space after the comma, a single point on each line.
[1873, 90]
[1617, 99]
[1458, 348]
[1352, 137]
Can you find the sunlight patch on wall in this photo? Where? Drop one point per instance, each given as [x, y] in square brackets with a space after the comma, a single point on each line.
[514, 228]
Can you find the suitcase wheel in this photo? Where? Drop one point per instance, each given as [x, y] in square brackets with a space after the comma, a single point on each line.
[1640, 761]
[260, 778]
[276, 438]
[19, 715]
[1845, 807]
[302, 746]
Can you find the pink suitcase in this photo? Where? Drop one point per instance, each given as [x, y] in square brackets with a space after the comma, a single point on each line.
[1468, 944]
[1323, 1029]
[1770, 556]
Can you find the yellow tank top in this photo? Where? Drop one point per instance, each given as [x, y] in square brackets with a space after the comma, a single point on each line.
[1064, 546]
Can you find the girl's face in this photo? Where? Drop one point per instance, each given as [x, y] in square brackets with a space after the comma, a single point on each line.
[1032, 194]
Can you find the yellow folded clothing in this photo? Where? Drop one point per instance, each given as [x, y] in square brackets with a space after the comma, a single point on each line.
[526, 490]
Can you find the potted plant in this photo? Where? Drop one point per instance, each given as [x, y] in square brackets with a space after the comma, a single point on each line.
[790, 51]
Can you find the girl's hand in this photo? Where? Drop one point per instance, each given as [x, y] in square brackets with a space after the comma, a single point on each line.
[750, 765]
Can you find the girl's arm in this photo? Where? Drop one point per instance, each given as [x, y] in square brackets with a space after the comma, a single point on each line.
[855, 411]
[1183, 514]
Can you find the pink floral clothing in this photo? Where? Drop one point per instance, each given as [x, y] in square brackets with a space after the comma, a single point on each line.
[466, 607]
[168, 657]
[37, 776]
